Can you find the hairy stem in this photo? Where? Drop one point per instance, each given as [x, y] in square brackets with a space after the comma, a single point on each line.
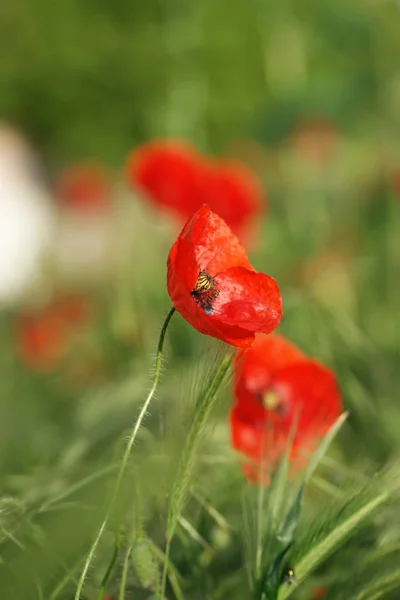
[121, 473]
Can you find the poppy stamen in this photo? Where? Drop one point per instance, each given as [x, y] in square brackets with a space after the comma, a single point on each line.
[205, 292]
[271, 401]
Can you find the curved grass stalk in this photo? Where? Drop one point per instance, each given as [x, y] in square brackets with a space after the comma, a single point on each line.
[76, 487]
[121, 473]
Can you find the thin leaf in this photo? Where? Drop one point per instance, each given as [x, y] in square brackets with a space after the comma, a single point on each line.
[212, 511]
[380, 587]
[323, 447]
[194, 534]
[273, 576]
[278, 486]
[173, 574]
[285, 536]
[269, 581]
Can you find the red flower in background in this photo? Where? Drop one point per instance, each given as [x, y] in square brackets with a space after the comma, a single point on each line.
[277, 387]
[213, 286]
[168, 173]
[84, 187]
[175, 176]
[43, 336]
[232, 191]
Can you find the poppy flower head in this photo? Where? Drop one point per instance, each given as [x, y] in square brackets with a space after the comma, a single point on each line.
[84, 187]
[278, 391]
[175, 176]
[213, 286]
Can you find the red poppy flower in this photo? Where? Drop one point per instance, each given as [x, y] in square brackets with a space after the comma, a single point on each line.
[84, 187]
[213, 286]
[43, 336]
[168, 173]
[177, 177]
[232, 191]
[278, 388]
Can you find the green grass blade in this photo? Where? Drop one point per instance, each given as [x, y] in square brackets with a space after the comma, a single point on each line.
[380, 587]
[323, 447]
[290, 523]
[327, 545]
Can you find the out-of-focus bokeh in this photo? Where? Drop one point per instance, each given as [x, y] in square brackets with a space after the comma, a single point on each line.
[304, 94]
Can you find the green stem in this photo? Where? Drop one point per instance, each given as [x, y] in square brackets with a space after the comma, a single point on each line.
[203, 408]
[124, 575]
[121, 473]
[165, 567]
[260, 514]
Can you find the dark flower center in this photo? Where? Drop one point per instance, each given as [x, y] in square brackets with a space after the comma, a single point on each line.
[271, 401]
[205, 292]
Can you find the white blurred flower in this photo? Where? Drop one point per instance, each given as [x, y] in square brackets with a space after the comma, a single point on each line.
[26, 218]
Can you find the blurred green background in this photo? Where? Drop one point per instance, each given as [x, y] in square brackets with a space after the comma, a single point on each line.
[209, 71]
[308, 95]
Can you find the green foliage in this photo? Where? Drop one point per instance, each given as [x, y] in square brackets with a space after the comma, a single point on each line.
[190, 451]
[279, 536]
[89, 79]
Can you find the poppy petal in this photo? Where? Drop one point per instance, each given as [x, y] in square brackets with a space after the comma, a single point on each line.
[311, 391]
[168, 172]
[268, 354]
[248, 299]
[232, 190]
[215, 246]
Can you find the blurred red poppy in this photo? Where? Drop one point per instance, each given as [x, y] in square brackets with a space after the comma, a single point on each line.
[213, 286]
[84, 187]
[276, 388]
[168, 173]
[43, 336]
[232, 191]
[174, 175]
